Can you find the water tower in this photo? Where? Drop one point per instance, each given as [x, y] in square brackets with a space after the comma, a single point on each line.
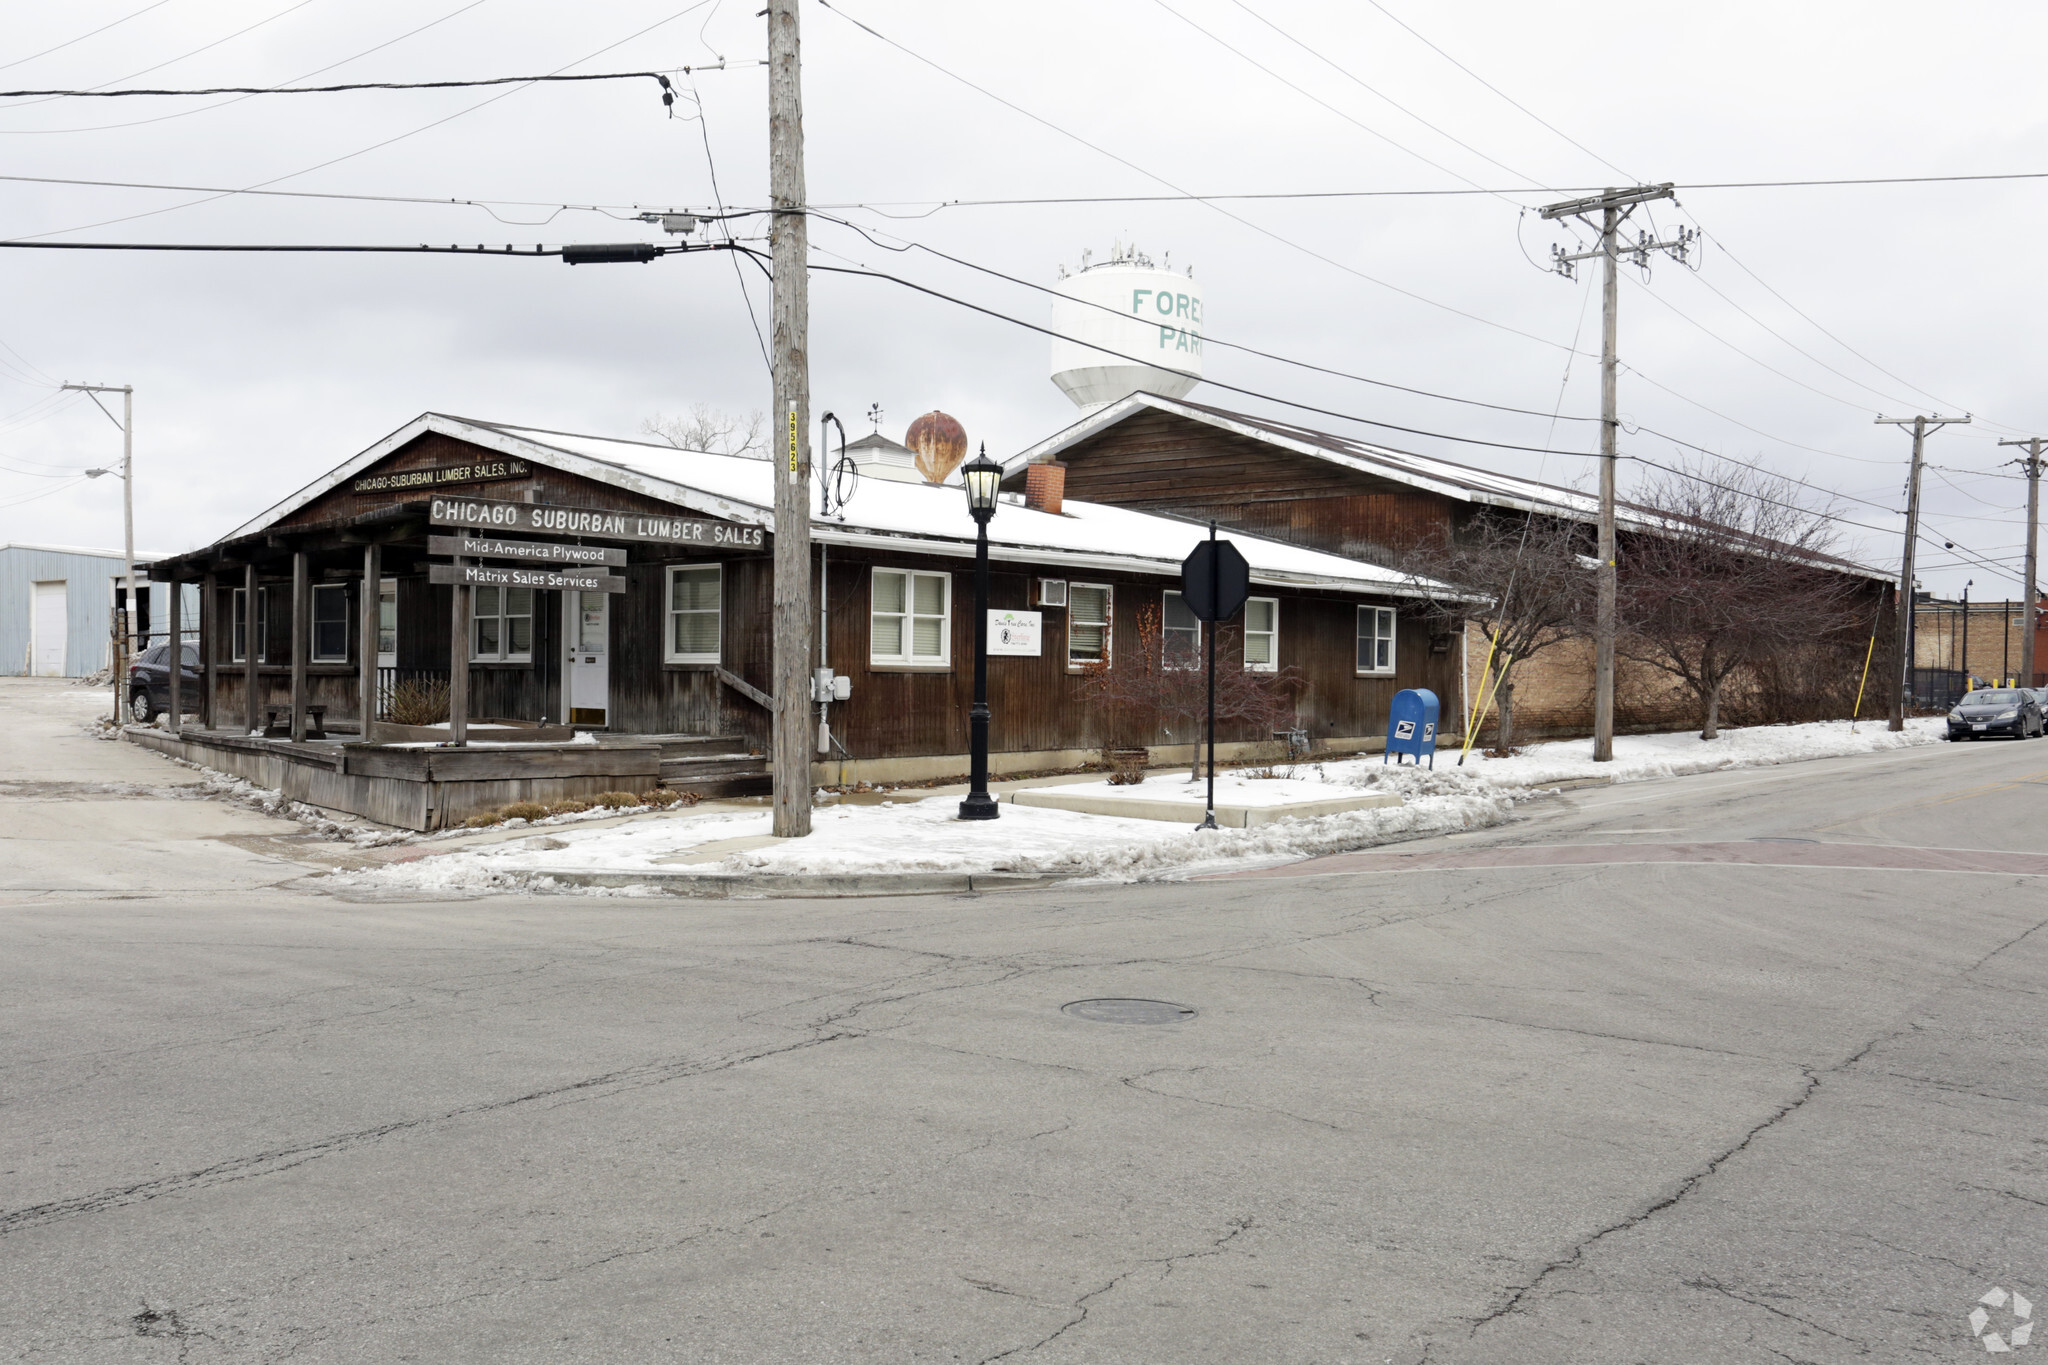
[1134, 326]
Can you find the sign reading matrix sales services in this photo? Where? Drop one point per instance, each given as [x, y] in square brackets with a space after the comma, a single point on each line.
[485, 576]
[604, 523]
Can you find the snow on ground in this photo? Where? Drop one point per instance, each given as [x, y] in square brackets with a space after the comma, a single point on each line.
[924, 835]
[1637, 757]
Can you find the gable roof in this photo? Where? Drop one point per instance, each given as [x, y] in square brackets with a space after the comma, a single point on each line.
[1447, 478]
[918, 517]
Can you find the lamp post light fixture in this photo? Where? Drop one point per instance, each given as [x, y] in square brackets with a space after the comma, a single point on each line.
[981, 477]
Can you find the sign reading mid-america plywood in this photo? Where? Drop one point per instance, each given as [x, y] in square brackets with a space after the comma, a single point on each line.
[485, 576]
[531, 551]
[436, 476]
[602, 522]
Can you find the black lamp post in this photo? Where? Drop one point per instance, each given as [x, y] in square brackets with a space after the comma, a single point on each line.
[981, 477]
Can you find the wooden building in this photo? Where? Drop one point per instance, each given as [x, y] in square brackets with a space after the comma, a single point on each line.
[604, 604]
[1360, 500]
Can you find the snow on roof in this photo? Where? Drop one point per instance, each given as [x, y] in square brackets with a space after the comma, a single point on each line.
[883, 512]
[918, 517]
[1446, 477]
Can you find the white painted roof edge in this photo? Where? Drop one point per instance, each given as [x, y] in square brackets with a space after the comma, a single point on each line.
[830, 534]
[503, 441]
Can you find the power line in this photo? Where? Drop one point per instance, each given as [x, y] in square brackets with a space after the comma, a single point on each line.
[725, 225]
[1189, 196]
[1207, 340]
[92, 33]
[194, 52]
[668, 90]
[1151, 175]
[376, 146]
[650, 249]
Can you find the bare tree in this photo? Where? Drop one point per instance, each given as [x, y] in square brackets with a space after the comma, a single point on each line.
[1141, 691]
[712, 429]
[1521, 577]
[1733, 576]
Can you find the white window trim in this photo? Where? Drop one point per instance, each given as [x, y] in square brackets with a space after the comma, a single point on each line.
[1108, 626]
[504, 655]
[669, 613]
[378, 606]
[1393, 640]
[238, 601]
[908, 658]
[313, 624]
[1165, 654]
[1272, 664]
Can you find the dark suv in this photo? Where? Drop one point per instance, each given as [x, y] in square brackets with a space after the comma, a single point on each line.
[1995, 711]
[149, 682]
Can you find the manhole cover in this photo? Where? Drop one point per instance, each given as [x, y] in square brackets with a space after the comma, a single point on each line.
[1129, 1011]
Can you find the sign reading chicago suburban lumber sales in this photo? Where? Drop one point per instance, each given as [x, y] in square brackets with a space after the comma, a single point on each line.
[604, 523]
[532, 551]
[484, 576]
[1013, 632]
[477, 471]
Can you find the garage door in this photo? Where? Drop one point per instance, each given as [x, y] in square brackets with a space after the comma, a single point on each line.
[51, 629]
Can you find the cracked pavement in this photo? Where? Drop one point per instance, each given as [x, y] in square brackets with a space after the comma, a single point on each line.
[1626, 1112]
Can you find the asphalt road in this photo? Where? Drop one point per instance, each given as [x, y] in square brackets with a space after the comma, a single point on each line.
[1646, 1077]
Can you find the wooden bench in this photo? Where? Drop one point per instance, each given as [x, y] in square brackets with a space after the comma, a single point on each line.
[316, 722]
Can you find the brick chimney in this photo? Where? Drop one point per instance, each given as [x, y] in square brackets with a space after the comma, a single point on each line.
[1045, 486]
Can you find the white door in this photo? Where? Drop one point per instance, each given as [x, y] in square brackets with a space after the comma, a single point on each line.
[588, 631]
[51, 629]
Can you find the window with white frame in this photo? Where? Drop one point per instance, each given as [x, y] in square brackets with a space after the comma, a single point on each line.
[330, 623]
[695, 592]
[501, 624]
[1261, 634]
[910, 618]
[1088, 614]
[1180, 632]
[1375, 639]
[240, 643]
[387, 622]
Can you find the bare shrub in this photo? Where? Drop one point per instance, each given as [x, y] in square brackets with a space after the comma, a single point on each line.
[419, 701]
[483, 819]
[618, 800]
[571, 807]
[523, 810]
[1520, 577]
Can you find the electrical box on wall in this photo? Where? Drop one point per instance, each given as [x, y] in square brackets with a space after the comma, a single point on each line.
[1052, 592]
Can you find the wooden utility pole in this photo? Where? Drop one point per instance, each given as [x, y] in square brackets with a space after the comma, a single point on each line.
[1614, 205]
[2032, 465]
[789, 245]
[1903, 630]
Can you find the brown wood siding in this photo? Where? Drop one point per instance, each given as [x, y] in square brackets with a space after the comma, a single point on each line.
[545, 485]
[1158, 461]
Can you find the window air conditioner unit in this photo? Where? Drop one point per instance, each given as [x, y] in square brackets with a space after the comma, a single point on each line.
[1052, 592]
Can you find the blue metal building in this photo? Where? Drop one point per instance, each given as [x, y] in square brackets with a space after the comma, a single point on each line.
[56, 609]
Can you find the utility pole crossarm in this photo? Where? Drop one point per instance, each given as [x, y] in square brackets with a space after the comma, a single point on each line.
[1609, 199]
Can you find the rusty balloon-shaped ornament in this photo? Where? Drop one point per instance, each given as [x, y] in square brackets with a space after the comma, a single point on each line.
[939, 443]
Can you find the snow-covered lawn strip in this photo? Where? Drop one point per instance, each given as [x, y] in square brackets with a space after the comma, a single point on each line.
[1681, 753]
[926, 836]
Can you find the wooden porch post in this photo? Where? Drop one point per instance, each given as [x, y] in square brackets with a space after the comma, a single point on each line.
[458, 662]
[302, 610]
[175, 659]
[251, 632]
[368, 604]
[209, 649]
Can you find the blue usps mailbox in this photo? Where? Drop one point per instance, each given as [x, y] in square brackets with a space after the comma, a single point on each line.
[1411, 724]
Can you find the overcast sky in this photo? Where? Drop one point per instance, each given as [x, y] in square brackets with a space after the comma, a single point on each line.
[254, 374]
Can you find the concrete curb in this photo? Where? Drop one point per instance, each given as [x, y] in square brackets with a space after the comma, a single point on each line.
[805, 886]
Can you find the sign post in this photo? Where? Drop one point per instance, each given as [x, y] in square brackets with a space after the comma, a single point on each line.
[1215, 580]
